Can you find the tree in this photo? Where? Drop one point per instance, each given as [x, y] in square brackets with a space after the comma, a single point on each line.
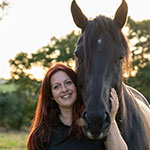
[139, 36]
[58, 50]
[11, 112]
[3, 6]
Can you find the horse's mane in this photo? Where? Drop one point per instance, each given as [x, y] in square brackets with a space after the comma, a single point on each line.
[107, 26]
[135, 112]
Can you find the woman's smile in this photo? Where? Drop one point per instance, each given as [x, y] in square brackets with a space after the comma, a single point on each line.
[63, 90]
[67, 96]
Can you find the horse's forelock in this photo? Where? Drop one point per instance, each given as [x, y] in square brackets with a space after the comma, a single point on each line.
[109, 28]
[89, 38]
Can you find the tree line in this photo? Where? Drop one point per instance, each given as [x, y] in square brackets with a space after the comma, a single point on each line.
[18, 106]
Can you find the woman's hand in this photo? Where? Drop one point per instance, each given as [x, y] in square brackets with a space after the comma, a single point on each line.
[114, 139]
[114, 103]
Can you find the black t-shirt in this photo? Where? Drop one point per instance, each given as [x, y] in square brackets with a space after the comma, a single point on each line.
[61, 141]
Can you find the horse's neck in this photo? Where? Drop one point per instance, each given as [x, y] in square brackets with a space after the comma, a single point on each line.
[127, 104]
[133, 120]
[126, 101]
[138, 95]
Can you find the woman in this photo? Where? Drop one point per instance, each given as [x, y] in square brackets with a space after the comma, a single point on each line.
[59, 107]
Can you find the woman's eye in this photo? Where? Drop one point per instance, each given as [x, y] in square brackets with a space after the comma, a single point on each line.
[68, 82]
[56, 87]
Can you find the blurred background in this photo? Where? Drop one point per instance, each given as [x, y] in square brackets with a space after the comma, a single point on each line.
[37, 33]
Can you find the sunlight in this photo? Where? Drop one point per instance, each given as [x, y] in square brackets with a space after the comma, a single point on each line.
[147, 56]
[125, 75]
[23, 29]
[37, 72]
[133, 73]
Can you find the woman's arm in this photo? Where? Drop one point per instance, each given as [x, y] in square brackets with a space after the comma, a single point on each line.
[114, 139]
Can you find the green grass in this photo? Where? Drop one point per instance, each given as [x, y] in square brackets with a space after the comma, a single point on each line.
[13, 140]
[7, 87]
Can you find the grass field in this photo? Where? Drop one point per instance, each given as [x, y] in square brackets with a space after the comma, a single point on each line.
[8, 87]
[13, 140]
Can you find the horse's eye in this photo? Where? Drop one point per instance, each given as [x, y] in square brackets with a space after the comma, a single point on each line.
[119, 59]
[79, 52]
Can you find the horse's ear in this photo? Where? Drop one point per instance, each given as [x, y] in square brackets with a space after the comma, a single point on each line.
[78, 17]
[121, 14]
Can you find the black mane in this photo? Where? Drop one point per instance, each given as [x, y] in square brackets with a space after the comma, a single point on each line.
[107, 26]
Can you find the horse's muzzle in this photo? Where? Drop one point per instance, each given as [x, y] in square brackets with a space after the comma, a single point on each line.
[96, 127]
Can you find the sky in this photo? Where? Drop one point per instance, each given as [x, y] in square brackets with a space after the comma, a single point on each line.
[30, 24]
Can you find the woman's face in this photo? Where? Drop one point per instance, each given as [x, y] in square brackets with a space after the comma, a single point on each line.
[63, 90]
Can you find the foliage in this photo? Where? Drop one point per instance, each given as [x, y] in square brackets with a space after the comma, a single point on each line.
[139, 36]
[11, 110]
[17, 107]
[139, 33]
[142, 81]
[7, 88]
[57, 50]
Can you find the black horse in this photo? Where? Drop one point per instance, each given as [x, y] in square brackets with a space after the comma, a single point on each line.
[101, 52]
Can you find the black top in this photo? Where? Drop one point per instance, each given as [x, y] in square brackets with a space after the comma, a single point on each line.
[61, 141]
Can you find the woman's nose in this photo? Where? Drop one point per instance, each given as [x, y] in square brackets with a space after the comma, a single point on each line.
[64, 88]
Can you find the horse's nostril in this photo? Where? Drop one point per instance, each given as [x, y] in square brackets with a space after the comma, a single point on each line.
[106, 120]
[84, 115]
[106, 116]
[92, 121]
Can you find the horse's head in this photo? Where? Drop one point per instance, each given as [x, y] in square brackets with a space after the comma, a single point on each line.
[100, 52]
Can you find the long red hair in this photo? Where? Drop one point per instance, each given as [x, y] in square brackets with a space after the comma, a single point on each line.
[47, 110]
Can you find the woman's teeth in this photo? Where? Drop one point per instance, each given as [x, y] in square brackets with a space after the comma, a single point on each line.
[66, 96]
